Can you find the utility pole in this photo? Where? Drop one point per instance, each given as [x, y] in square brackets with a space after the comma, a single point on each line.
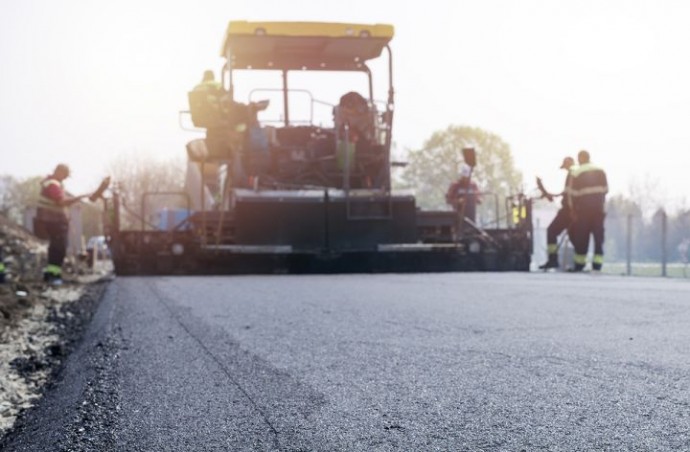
[664, 233]
[628, 247]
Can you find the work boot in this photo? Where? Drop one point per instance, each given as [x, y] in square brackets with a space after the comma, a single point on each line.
[578, 268]
[551, 263]
[52, 279]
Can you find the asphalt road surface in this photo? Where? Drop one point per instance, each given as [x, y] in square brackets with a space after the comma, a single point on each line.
[376, 363]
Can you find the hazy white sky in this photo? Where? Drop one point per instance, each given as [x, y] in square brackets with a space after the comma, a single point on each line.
[83, 81]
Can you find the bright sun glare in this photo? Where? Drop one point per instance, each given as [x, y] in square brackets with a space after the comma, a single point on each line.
[83, 82]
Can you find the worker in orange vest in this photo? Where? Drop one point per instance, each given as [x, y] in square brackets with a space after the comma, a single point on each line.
[52, 221]
[463, 194]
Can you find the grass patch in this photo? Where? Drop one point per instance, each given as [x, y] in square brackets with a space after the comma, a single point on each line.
[674, 270]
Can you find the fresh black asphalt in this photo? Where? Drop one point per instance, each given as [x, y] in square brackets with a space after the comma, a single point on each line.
[376, 363]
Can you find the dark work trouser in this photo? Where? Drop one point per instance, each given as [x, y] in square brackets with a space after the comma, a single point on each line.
[470, 206]
[559, 224]
[57, 235]
[588, 222]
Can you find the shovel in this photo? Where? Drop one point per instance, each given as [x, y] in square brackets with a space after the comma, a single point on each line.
[105, 183]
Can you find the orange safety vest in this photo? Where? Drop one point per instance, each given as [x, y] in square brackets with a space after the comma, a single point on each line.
[48, 209]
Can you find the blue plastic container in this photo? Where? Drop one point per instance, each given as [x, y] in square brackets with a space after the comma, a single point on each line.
[169, 219]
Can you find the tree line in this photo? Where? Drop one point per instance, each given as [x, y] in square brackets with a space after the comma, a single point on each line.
[625, 218]
[134, 176]
[430, 170]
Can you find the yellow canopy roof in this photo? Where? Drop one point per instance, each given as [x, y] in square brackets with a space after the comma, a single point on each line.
[304, 45]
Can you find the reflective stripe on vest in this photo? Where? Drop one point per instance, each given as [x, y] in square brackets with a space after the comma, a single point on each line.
[587, 179]
[589, 191]
[584, 168]
[208, 85]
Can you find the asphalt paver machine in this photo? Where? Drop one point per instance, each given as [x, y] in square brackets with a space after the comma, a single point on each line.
[294, 193]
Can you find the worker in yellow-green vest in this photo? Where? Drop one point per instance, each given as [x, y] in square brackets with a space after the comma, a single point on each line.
[588, 189]
[206, 102]
[53, 222]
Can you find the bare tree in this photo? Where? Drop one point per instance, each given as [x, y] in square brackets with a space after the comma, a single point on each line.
[648, 193]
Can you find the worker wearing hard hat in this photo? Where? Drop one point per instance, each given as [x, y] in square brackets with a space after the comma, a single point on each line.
[563, 217]
[588, 188]
[206, 101]
[52, 222]
[209, 80]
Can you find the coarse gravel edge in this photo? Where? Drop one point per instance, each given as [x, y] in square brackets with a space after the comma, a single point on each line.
[74, 413]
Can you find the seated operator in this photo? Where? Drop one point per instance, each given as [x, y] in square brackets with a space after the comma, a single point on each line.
[206, 102]
[353, 110]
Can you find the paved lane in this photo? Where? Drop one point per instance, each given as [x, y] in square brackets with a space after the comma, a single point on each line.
[401, 362]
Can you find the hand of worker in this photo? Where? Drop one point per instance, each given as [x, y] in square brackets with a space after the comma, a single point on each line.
[72, 200]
